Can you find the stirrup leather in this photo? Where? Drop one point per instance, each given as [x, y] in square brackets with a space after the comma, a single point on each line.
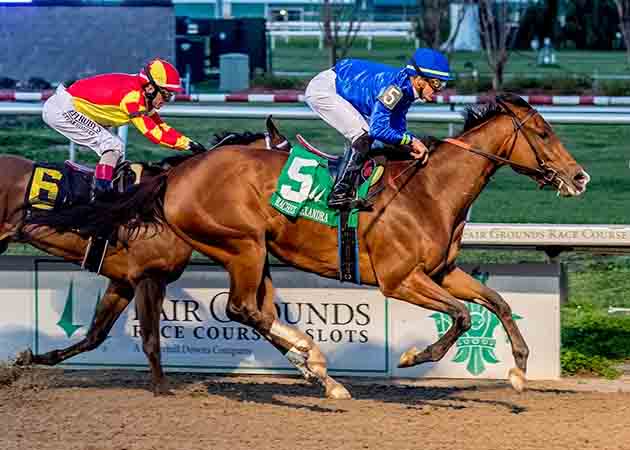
[92, 260]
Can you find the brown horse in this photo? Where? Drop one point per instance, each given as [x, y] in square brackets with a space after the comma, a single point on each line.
[408, 242]
[141, 269]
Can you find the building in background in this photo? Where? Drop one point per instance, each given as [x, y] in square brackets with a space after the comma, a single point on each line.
[63, 40]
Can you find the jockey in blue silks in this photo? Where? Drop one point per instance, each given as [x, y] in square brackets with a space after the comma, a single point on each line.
[367, 101]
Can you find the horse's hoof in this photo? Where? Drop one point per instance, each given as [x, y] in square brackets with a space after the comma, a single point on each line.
[517, 379]
[408, 358]
[24, 358]
[338, 392]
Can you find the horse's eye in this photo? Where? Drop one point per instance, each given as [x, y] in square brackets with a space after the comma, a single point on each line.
[544, 135]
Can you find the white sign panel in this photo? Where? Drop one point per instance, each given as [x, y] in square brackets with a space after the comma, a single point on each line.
[359, 331]
[348, 324]
[484, 351]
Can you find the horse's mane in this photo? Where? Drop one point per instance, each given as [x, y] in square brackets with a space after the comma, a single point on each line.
[219, 139]
[231, 138]
[475, 115]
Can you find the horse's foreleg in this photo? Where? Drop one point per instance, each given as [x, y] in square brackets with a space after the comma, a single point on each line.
[112, 304]
[297, 346]
[465, 287]
[421, 290]
[149, 297]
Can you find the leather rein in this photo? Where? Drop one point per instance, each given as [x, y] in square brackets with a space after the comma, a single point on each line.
[543, 174]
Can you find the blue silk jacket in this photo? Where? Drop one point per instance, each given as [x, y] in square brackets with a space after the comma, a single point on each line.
[382, 95]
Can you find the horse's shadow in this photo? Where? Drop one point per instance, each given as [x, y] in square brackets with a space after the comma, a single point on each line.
[295, 393]
[413, 397]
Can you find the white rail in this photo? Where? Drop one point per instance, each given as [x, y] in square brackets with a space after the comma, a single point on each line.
[368, 30]
[416, 114]
[604, 238]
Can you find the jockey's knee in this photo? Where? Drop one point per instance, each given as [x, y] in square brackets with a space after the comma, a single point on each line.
[309, 97]
[111, 157]
[45, 116]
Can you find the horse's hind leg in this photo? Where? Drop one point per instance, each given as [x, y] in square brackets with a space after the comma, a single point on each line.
[149, 297]
[112, 304]
[465, 287]
[421, 290]
[295, 345]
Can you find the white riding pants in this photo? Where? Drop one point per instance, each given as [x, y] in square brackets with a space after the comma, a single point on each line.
[321, 95]
[59, 114]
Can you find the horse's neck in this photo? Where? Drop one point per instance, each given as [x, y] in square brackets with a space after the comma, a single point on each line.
[458, 175]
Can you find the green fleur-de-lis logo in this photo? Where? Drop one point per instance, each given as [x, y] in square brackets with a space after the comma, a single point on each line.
[476, 346]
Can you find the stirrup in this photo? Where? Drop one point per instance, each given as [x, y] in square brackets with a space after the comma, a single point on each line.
[362, 204]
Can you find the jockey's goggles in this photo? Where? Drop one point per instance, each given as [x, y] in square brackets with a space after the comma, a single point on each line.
[436, 85]
[166, 95]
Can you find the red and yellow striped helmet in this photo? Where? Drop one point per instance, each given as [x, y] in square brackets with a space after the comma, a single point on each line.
[162, 74]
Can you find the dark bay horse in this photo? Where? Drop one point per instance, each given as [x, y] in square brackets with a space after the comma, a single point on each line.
[219, 205]
[141, 269]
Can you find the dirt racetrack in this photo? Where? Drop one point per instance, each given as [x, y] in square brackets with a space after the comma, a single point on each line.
[90, 410]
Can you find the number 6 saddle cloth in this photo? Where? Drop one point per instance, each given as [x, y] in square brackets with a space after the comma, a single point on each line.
[59, 185]
[54, 186]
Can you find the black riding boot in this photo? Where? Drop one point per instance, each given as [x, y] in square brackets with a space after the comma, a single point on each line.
[342, 194]
[101, 190]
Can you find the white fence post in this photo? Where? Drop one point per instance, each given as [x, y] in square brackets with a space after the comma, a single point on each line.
[122, 134]
[72, 153]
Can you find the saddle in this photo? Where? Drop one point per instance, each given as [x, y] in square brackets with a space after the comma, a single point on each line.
[55, 186]
[305, 195]
[375, 159]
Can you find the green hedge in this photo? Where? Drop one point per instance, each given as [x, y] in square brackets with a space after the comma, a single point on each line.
[593, 341]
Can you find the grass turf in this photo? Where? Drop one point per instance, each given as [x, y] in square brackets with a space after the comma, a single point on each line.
[302, 55]
[601, 281]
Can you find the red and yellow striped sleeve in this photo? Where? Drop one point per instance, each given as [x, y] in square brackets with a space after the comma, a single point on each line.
[152, 127]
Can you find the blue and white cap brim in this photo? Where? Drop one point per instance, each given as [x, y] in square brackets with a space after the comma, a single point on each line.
[430, 73]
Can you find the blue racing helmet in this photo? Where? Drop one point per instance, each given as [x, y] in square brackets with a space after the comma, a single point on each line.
[430, 63]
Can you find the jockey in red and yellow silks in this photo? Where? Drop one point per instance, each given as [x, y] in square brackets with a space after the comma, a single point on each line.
[117, 99]
[85, 110]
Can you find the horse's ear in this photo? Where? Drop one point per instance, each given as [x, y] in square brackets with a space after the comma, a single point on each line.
[271, 127]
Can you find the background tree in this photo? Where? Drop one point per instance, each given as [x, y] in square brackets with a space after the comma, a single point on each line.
[499, 25]
[340, 25]
[623, 8]
[432, 25]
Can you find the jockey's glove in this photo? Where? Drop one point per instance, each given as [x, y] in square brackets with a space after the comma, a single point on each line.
[196, 147]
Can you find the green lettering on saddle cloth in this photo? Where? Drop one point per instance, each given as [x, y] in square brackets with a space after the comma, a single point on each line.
[303, 188]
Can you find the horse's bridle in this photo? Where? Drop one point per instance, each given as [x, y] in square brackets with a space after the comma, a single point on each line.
[543, 174]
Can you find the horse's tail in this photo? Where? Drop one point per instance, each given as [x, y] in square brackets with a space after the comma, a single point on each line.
[139, 207]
